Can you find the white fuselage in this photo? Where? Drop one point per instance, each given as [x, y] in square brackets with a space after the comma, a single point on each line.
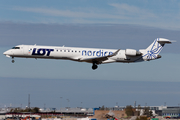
[71, 53]
[95, 56]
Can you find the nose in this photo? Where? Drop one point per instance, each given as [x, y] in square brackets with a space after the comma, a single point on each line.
[8, 53]
[5, 53]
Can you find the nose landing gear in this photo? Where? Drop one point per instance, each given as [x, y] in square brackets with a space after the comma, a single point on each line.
[13, 60]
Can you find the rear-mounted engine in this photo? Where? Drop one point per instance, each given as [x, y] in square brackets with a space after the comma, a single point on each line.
[132, 52]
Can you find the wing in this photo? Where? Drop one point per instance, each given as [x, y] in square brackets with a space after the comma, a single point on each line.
[98, 60]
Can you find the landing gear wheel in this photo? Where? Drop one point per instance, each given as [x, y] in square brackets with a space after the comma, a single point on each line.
[13, 61]
[94, 67]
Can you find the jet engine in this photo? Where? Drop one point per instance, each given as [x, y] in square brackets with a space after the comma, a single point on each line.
[132, 52]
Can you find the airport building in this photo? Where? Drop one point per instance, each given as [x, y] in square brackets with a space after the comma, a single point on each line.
[171, 112]
[164, 111]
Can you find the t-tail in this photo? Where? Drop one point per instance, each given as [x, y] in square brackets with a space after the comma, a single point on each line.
[152, 52]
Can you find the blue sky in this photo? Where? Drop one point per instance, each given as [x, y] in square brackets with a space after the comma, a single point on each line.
[113, 24]
[156, 13]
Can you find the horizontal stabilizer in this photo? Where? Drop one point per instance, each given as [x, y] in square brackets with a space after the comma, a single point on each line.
[163, 41]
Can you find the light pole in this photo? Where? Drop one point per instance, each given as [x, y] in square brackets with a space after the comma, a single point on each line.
[81, 104]
[68, 102]
[60, 102]
[44, 106]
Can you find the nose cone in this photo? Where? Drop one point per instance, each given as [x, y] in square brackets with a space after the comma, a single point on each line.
[7, 53]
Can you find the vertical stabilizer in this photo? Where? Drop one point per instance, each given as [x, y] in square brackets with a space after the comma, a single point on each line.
[155, 48]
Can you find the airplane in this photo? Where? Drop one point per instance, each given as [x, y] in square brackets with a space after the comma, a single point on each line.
[95, 56]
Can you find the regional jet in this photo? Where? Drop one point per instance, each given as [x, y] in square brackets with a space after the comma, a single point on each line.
[95, 56]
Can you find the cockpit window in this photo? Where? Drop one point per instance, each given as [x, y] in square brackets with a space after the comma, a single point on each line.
[16, 48]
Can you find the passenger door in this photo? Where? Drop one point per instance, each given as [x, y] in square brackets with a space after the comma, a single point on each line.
[26, 50]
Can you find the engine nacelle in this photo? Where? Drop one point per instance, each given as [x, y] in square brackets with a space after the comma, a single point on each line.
[132, 52]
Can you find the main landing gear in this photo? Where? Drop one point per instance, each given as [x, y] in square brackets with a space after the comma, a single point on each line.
[94, 66]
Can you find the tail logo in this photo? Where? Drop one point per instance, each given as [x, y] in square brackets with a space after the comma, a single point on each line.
[155, 50]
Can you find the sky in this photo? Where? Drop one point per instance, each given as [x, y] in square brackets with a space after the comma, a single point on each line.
[112, 24]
